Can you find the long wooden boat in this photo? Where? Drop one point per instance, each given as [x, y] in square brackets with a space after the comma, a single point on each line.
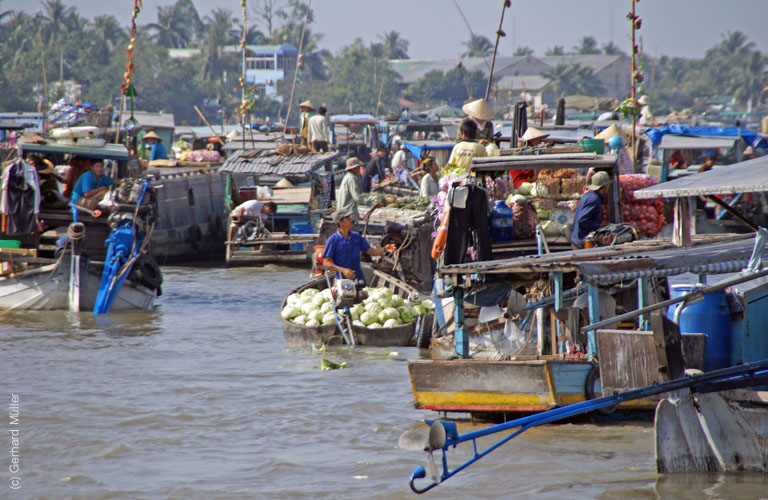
[46, 288]
[402, 335]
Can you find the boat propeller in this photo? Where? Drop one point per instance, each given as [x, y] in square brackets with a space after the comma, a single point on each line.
[412, 440]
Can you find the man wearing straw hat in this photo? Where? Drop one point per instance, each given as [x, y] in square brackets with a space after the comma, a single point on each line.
[307, 110]
[480, 112]
[351, 188]
[154, 144]
[589, 213]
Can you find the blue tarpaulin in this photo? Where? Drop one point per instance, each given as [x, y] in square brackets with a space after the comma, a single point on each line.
[749, 137]
[416, 148]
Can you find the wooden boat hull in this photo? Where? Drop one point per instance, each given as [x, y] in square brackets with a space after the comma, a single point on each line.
[47, 289]
[300, 335]
[468, 385]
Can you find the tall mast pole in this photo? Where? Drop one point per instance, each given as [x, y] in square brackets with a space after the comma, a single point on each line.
[499, 33]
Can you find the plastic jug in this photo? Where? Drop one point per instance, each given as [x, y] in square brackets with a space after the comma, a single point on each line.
[501, 222]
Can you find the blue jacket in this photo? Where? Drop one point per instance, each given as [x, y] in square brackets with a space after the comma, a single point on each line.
[588, 216]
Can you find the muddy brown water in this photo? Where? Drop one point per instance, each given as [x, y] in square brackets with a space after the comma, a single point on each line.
[201, 399]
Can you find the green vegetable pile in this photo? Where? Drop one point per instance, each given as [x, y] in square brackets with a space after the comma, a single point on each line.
[392, 201]
[382, 309]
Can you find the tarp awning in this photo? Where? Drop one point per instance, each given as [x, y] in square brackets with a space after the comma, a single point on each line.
[750, 137]
[749, 176]
[108, 152]
[686, 142]
[418, 147]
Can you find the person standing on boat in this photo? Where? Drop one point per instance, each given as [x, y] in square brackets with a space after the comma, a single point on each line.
[91, 188]
[399, 158]
[374, 168]
[480, 112]
[319, 131]
[589, 213]
[429, 185]
[343, 248]
[307, 111]
[468, 148]
[351, 188]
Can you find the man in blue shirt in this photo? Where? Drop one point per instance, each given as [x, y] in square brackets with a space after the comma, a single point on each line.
[342, 250]
[155, 146]
[92, 186]
[589, 213]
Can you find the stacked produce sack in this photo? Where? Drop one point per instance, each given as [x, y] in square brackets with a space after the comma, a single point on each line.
[646, 215]
[382, 309]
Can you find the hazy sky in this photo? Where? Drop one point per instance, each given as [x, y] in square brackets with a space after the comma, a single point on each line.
[436, 30]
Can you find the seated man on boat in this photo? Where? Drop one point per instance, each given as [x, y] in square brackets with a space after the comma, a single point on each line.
[91, 188]
[468, 148]
[343, 248]
[78, 165]
[589, 212]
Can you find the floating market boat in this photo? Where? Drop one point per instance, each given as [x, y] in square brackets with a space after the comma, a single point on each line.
[402, 335]
[290, 234]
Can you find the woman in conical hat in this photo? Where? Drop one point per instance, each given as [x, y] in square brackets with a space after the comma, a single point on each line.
[480, 112]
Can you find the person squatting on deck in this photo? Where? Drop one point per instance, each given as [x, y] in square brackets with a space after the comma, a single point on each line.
[255, 208]
[343, 248]
[91, 188]
[589, 213]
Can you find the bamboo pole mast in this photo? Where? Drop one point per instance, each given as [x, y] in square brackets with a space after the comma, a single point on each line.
[43, 111]
[243, 49]
[632, 85]
[298, 63]
[499, 33]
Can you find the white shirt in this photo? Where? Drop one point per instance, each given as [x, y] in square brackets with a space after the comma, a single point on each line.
[318, 128]
[251, 208]
[398, 159]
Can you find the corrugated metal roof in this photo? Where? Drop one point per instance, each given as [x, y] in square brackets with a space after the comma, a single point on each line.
[749, 176]
[622, 260]
[241, 162]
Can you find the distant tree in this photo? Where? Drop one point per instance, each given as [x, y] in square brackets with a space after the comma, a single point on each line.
[751, 79]
[557, 50]
[587, 45]
[734, 44]
[478, 46]
[313, 65]
[351, 80]
[451, 86]
[395, 46]
[611, 49]
[523, 51]
[267, 12]
[568, 79]
[219, 32]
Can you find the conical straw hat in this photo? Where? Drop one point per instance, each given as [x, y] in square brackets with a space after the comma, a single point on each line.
[283, 183]
[307, 104]
[151, 135]
[532, 133]
[479, 110]
[610, 132]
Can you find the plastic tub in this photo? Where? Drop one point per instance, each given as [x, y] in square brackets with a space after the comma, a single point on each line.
[593, 145]
[10, 244]
[300, 228]
[710, 316]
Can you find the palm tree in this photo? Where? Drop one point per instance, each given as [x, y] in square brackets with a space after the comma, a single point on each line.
[751, 81]
[523, 51]
[611, 49]
[107, 29]
[557, 50]
[573, 79]
[395, 46]
[55, 14]
[478, 46]
[587, 46]
[734, 44]
[219, 32]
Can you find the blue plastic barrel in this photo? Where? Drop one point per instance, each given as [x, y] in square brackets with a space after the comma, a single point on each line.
[712, 317]
[501, 222]
[297, 228]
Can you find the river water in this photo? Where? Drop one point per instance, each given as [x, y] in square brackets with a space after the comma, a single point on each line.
[201, 399]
